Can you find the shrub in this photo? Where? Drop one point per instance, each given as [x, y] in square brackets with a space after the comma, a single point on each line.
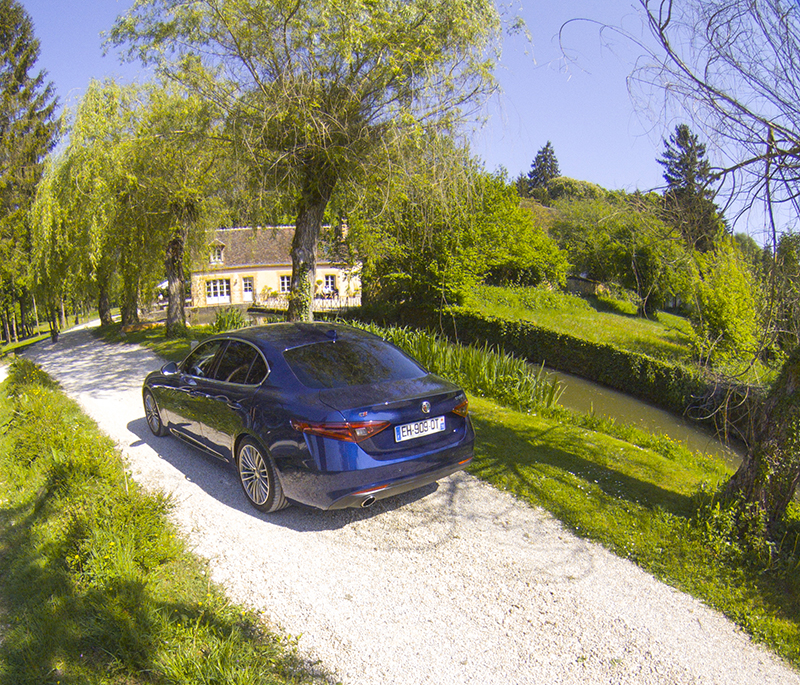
[228, 319]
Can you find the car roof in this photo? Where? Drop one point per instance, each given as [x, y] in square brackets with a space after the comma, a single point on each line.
[284, 336]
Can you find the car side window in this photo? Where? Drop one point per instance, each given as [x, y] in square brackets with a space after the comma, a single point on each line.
[236, 363]
[200, 363]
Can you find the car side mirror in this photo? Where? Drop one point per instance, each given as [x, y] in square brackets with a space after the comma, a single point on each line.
[169, 369]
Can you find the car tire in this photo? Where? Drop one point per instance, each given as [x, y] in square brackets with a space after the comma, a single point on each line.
[153, 414]
[258, 477]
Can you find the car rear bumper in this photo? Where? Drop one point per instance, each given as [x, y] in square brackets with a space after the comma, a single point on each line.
[367, 496]
[342, 489]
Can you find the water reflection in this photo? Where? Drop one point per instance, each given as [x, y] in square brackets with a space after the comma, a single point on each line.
[584, 396]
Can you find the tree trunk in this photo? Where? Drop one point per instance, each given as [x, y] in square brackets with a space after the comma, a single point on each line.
[129, 306]
[104, 307]
[6, 330]
[308, 227]
[176, 285]
[770, 472]
[24, 322]
[35, 313]
[53, 324]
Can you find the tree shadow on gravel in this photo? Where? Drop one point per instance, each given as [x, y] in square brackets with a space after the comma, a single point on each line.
[218, 479]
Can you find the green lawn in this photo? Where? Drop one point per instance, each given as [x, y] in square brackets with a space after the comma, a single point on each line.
[96, 587]
[606, 320]
[597, 320]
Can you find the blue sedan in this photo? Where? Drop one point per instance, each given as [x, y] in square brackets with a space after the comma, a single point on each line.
[320, 414]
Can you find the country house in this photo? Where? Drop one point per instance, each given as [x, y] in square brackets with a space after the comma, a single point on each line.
[254, 266]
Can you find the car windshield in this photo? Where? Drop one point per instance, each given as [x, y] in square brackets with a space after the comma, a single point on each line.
[340, 364]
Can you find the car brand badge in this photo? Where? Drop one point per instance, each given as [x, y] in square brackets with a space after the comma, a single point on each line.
[426, 407]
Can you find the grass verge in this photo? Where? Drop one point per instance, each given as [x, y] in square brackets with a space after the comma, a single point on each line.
[95, 585]
[644, 504]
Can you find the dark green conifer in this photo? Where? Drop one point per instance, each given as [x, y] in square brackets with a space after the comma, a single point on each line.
[689, 196]
[28, 131]
[544, 168]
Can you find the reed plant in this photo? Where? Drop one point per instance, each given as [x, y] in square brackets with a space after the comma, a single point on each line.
[481, 370]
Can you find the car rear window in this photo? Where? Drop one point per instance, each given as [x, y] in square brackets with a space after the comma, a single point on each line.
[341, 363]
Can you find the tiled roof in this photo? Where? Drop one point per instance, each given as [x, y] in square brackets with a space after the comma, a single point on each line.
[255, 246]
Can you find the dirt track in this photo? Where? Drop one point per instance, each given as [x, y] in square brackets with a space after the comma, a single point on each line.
[452, 584]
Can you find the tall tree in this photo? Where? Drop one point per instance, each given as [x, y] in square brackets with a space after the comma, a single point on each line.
[735, 65]
[315, 92]
[544, 168]
[689, 196]
[28, 130]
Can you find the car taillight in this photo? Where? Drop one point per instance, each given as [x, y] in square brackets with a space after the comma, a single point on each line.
[462, 409]
[348, 431]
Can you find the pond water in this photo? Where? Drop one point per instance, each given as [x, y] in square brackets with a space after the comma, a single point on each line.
[584, 396]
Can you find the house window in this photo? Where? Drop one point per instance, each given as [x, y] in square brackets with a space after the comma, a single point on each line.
[329, 289]
[218, 291]
[286, 284]
[247, 288]
[217, 254]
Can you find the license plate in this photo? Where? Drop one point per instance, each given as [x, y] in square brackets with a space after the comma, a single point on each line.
[409, 431]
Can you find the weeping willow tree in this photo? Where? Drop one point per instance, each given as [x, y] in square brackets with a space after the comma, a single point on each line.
[315, 93]
[120, 204]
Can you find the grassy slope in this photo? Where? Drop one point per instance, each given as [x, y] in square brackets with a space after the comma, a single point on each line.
[596, 320]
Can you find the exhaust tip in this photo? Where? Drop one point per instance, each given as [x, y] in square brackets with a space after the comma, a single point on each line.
[368, 502]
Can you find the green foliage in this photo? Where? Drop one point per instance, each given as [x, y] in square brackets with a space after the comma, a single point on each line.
[786, 268]
[688, 197]
[725, 317]
[23, 373]
[482, 370]
[228, 319]
[318, 97]
[95, 585]
[565, 188]
[131, 187]
[28, 131]
[429, 243]
[621, 239]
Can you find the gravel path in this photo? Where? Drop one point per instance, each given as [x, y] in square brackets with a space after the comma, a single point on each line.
[456, 583]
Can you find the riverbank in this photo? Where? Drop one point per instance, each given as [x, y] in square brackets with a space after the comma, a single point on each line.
[686, 391]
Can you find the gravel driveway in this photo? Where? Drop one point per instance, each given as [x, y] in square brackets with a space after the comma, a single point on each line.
[453, 584]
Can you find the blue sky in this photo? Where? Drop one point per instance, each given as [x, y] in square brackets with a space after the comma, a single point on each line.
[582, 107]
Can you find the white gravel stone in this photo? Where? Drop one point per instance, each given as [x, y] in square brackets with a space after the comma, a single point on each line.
[452, 584]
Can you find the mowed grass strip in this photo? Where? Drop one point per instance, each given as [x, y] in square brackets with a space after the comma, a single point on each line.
[596, 320]
[643, 505]
[95, 584]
